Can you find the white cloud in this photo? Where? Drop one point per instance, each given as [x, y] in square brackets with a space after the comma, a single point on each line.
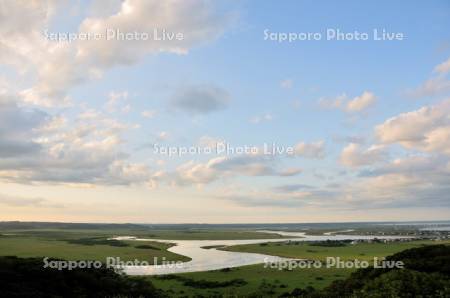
[17, 128]
[356, 104]
[410, 181]
[283, 197]
[310, 150]
[354, 156]
[415, 181]
[197, 173]
[37, 147]
[20, 35]
[229, 166]
[58, 66]
[435, 86]
[290, 172]
[426, 129]
[432, 87]
[443, 68]
[361, 102]
[90, 114]
[144, 16]
[122, 172]
[333, 103]
[115, 98]
[100, 8]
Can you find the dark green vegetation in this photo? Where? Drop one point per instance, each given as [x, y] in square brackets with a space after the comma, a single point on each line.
[426, 274]
[213, 246]
[145, 246]
[330, 243]
[97, 241]
[255, 279]
[89, 242]
[204, 284]
[28, 278]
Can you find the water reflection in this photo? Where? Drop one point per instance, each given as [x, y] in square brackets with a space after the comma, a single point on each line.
[213, 259]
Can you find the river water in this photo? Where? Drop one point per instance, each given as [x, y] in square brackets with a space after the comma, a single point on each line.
[213, 259]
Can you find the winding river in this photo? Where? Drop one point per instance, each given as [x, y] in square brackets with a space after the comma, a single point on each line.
[205, 259]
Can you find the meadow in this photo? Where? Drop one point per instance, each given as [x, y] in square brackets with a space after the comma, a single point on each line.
[303, 250]
[91, 243]
[26, 246]
[268, 281]
[79, 242]
[246, 280]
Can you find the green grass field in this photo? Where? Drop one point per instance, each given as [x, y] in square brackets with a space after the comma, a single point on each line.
[91, 244]
[65, 244]
[266, 281]
[25, 246]
[146, 233]
[299, 250]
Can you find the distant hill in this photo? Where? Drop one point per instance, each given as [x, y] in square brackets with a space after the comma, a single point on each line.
[11, 225]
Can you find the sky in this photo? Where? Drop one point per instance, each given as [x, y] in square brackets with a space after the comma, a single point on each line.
[166, 113]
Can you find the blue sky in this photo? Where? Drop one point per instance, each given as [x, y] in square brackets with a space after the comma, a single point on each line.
[367, 120]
